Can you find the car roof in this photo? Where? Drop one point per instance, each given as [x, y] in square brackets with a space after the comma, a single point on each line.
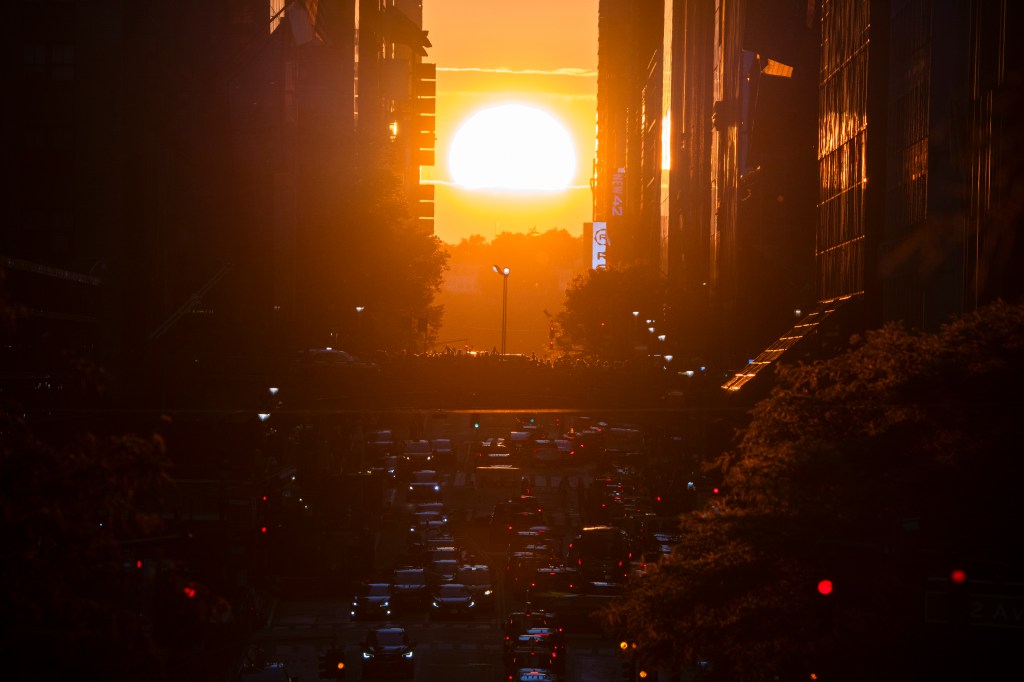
[270, 672]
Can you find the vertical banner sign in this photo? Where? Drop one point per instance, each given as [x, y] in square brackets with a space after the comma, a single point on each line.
[618, 187]
[599, 243]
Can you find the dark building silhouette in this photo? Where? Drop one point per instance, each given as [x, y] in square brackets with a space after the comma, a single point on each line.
[627, 164]
[834, 165]
[178, 176]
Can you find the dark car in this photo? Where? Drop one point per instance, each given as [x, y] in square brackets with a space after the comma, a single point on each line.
[553, 580]
[492, 451]
[518, 622]
[267, 672]
[442, 571]
[551, 638]
[532, 675]
[545, 452]
[387, 650]
[526, 653]
[381, 443]
[372, 602]
[410, 589]
[424, 491]
[451, 600]
[417, 455]
[444, 453]
[477, 579]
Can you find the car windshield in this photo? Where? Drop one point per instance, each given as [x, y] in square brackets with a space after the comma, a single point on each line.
[410, 578]
[474, 576]
[451, 590]
[445, 567]
[390, 637]
[378, 590]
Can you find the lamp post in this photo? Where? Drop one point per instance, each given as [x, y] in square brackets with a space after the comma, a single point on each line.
[504, 272]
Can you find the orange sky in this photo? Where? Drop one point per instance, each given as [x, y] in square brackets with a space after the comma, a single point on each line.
[537, 52]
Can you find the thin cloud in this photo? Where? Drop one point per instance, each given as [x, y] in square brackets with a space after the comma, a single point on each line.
[564, 71]
[450, 183]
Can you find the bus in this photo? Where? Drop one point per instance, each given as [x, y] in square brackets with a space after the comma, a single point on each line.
[601, 554]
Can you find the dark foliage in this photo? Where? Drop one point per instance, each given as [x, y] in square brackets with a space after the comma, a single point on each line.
[881, 470]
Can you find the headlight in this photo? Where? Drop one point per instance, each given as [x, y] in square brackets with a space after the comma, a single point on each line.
[407, 654]
[436, 605]
[488, 593]
[385, 603]
[367, 655]
[472, 604]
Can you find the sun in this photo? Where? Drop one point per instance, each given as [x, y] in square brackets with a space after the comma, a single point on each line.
[512, 147]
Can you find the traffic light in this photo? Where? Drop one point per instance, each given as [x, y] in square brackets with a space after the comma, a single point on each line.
[825, 607]
[474, 420]
[332, 664]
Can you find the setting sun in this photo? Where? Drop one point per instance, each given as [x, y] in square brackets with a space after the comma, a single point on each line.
[512, 147]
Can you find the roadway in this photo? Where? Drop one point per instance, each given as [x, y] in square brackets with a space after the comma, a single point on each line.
[302, 627]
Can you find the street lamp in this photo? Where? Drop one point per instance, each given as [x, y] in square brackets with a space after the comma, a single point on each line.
[504, 272]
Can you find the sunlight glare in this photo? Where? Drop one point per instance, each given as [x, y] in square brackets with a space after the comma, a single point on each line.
[513, 147]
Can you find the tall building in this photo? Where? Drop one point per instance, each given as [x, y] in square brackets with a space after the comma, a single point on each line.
[397, 92]
[182, 174]
[627, 164]
[916, 164]
[737, 206]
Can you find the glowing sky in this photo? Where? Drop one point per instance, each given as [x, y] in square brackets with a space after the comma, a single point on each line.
[534, 52]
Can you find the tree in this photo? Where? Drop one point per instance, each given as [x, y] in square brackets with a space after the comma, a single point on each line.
[878, 469]
[71, 500]
[542, 264]
[598, 318]
[370, 252]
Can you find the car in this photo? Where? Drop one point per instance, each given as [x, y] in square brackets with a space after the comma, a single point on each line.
[452, 600]
[442, 571]
[444, 452]
[519, 443]
[544, 453]
[540, 647]
[526, 652]
[273, 671]
[423, 537]
[549, 638]
[410, 589]
[372, 602]
[492, 451]
[387, 650]
[425, 476]
[385, 466]
[438, 551]
[420, 492]
[521, 568]
[518, 622]
[567, 450]
[532, 675]
[417, 454]
[381, 443]
[477, 579]
[423, 519]
[531, 502]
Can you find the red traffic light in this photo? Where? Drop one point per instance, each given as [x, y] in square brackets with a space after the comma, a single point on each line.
[825, 587]
[958, 576]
